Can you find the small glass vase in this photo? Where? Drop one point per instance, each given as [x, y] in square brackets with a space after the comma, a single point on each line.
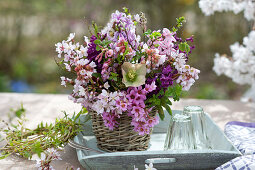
[180, 135]
[197, 117]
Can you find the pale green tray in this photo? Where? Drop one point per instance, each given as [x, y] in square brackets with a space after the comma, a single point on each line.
[222, 151]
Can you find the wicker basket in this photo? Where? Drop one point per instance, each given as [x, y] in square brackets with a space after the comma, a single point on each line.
[122, 138]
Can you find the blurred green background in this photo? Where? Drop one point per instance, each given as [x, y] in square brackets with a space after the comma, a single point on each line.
[29, 30]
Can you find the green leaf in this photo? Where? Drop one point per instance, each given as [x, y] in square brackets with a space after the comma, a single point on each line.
[26, 154]
[95, 28]
[161, 112]
[161, 93]
[148, 32]
[20, 111]
[5, 156]
[184, 46]
[180, 20]
[168, 101]
[126, 10]
[174, 92]
[84, 110]
[174, 29]
[113, 76]
[168, 109]
[165, 100]
[177, 92]
[179, 23]
[96, 75]
[98, 48]
[106, 42]
[156, 35]
[36, 148]
[97, 41]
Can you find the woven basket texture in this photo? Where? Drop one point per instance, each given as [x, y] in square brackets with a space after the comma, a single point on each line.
[122, 138]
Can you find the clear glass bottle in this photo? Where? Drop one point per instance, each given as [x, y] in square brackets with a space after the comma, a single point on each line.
[180, 135]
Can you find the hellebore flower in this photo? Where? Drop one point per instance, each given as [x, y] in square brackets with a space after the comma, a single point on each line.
[133, 74]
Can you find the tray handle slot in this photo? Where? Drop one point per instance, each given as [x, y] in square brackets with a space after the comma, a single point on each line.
[160, 160]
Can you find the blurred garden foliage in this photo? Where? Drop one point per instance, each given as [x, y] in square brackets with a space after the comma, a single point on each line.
[30, 29]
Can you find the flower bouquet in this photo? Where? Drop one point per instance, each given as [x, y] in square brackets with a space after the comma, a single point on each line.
[124, 80]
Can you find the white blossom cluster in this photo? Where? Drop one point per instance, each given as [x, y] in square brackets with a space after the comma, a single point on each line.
[241, 67]
[73, 58]
[188, 74]
[107, 102]
[208, 7]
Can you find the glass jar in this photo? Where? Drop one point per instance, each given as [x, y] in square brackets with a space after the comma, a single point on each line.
[179, 134]
[197, 117]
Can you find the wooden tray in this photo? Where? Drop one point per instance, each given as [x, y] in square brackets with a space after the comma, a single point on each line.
[222, 151]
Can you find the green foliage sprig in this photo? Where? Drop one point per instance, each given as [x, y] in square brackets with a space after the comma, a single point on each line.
[179, 23]
[184, 46]
[161, 99]
[26, 142]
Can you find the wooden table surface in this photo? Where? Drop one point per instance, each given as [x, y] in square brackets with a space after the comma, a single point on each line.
[46, 107]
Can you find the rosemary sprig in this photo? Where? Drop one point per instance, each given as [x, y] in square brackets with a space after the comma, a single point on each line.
[26, 142]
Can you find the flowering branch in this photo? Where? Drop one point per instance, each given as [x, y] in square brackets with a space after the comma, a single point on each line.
[239, 67]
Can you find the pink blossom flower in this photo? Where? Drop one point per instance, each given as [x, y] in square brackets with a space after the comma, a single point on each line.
[109, 120]
[140, 91]
[139, 99]
[138, 113]
[109, 53]
[153, 121]
[134, 123]
[132, 105]
[142, 130]
[168, 35]
[132, 95]
[142, 105]
[153, 86]
[166, 32]
[166, 45]
[106, 70]
[150, 87]
[131, 88]
[122, 105]
[188, 77]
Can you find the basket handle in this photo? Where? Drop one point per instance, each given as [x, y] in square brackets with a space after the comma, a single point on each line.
[160, 160]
